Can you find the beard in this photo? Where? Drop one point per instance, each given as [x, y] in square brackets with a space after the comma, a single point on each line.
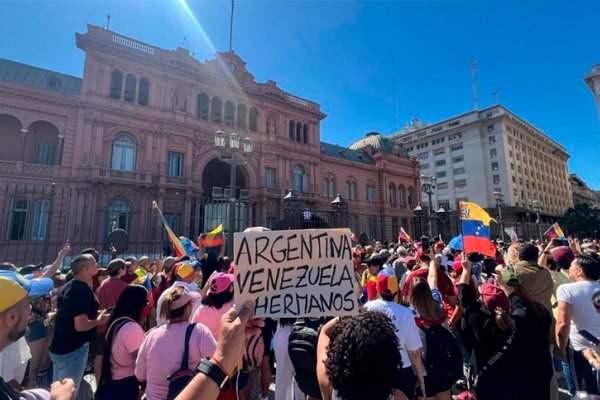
[17, 332]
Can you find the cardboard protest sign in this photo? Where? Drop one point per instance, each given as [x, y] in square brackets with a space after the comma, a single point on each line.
[296, 273]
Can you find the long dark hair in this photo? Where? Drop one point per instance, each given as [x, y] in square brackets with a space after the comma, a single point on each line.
[130, 305]
[217, 300]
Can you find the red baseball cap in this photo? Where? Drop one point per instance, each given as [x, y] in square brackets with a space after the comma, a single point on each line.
[493, 297]
[457, 265]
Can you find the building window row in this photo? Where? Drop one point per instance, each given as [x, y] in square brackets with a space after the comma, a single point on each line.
[132, 89]
[298, 132]
[401, 197]
[228, 113]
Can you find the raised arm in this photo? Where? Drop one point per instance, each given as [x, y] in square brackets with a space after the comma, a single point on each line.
[432, 274]
[58, 261]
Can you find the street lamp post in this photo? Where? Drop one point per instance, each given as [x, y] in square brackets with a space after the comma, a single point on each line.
[499, 197]
[419, 213]
[441, 215]
[428, 186]
[230, 152]
[537, 208]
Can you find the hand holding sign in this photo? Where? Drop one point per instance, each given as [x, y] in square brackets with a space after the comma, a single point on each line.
[296, 273]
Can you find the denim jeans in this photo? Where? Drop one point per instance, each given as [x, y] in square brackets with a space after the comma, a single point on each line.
[71, 365]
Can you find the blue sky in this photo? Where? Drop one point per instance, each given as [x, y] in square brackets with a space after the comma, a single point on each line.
[340, 54]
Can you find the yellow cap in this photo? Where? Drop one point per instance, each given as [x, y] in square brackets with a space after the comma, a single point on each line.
[183, 270]
[10, 293]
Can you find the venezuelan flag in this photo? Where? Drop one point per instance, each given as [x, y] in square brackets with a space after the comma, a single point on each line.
[554, 232]
[476, 230]
[213, 238]
[476, 238]
[402, 235]
[175, 242]
[472, 211]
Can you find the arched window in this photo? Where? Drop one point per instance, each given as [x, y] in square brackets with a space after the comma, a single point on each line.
[401, 196]
[202, 106]
[118, 213]
[229, 113]
[216, 110]
[298, 132]
[350, 190]
[253, 120]
[124, 152]
[242, 116]
[371, 193]
[411, 197]
[292, 130]
[329, 187]
[144, 92]
[116, 84]
[392, 193]
[299, 179]
[305, 134]
[130, 84]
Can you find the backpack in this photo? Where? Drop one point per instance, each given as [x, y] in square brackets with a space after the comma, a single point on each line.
[179, 379]
[443, 359]
[302, 349]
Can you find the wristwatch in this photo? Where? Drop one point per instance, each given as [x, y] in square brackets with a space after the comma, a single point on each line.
[213, 371]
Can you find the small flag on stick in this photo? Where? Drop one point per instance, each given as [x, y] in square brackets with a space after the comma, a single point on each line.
[554, 232]
[213, 238]
[175, 242]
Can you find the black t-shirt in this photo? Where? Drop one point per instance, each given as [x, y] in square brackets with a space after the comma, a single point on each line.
[75, 298]
[7, 392]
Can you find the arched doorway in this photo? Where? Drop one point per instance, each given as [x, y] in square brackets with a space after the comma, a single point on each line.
[12, 138]
[214, 210]
[42, 145]
[217, 173]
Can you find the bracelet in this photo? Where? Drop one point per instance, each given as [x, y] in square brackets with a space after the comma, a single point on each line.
[213, 371]
[221, 367]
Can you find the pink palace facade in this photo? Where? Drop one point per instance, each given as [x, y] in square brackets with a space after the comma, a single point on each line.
[81, 157]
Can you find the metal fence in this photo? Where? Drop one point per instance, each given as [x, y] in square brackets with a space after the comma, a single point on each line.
[36, 220]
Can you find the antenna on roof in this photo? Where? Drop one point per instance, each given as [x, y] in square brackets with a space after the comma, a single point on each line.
[474, 83]
[495, 93]
[183, 41]
[394, 97]
[231, 26]
[108, 21]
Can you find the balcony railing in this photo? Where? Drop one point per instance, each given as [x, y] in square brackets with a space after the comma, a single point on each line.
[125, 176]
[21, 168]
[177, 180]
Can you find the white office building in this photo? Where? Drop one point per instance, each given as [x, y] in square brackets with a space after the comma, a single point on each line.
[482, 151]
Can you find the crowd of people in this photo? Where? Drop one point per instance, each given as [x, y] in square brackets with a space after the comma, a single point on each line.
[434, 324]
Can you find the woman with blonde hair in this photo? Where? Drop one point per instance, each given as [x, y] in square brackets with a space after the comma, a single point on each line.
[162, 352]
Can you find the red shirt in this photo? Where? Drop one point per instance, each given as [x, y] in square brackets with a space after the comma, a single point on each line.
[445, 285]
[129, 277]
[108, 294]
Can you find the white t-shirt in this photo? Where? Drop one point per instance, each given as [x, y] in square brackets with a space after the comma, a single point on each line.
[406, 328]
[13, 361]
[585, 317]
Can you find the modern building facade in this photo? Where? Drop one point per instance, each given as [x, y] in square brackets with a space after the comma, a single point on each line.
[81, 157]
[582, 193]
[480, 152]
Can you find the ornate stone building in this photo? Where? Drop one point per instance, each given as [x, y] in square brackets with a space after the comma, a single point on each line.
[81, 157]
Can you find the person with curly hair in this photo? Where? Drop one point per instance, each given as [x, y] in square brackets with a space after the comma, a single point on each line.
[358, 358]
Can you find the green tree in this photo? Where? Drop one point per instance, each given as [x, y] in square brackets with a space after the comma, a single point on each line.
[582, 221]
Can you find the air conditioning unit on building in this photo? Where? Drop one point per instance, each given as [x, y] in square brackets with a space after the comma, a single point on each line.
[217, 192]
